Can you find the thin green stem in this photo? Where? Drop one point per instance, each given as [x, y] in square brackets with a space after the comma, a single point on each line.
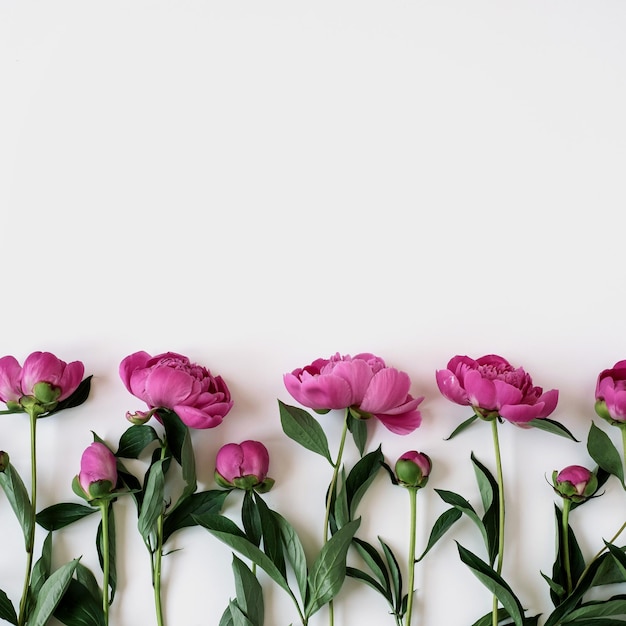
[602, 550]
[565, 533]
[329, 499]
[30, 542]
[158, 558]
[500, 480]
[409, 606]
[104, 508]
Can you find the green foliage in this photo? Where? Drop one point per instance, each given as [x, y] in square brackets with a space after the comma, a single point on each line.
[304, 429]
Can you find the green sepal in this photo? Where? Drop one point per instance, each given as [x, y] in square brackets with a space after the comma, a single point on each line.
[265, 486]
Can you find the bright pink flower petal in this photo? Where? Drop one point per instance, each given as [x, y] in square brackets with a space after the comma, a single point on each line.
[402, 424]
[168, 387]
[506, 394]
[320, 392]
[481, 391]
[10, 373]
[521, 413]
[549, 400]
[41, 367]
[387, 389]
[256, 459]
[228, 461]
[199, 419]
[71, 379]
[97, 463]
[129, 367]
[450, 387]
[357, 374]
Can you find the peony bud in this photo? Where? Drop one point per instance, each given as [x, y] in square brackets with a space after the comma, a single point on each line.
[98, 473]
[413, 469]
[138, 418]
[4, 460]
[243, 466]
[575, 483]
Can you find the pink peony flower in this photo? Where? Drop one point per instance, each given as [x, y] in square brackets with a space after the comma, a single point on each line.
[43, 376]
[611, 394]
[171, 381]
[413, 469]
[98, 471]
[493, 387]
[575, 482]
[243, 465]
[362, 383]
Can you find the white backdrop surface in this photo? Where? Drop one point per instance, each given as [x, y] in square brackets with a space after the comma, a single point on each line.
[259, 184]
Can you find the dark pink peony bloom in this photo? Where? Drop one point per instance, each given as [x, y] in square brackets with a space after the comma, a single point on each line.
[363, 383]
[43, 376]
[611, 393]
[98, 471]
[575, 483]
[413, 469]
[171, 381]
[493, 387]
[243, 465]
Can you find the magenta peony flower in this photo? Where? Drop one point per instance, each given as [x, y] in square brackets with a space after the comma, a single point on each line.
[493, 387]
[611, 394]
[362, 383]
[43, 377]
[171, 381]
[98, 471]
[244, 466]
[575, 482]
[413, 469]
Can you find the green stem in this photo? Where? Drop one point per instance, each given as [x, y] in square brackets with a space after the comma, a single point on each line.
[565, 532]
[30, 542]
[409, 606]
[157, 557]
[329, 499]
[104, 508]
[500, 479]
[602, 550]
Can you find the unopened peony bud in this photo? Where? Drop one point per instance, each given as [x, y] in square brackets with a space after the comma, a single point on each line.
[98, 473]
[575, 483]
[4, 460]
[413, 469]
[243, 466]
[139, 417]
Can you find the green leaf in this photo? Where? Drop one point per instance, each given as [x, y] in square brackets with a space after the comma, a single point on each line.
[464, 506]
[608, 573]
[598, 622]
[78, 607]
[552, 426]
[249, 593]
[576, 558]
[396, 576]
[604, 453]
[210, 501]
[329, 569]
[112, 551]
[272, 541]
[619, 556]
[495, 583]
[51, 593]
[374, 561]
[440, 527]
[353, 572]
[358, 428]
[229, 533]
[153, 502]
[491, 504]
[227, 618]
[294, 552]
[135, 440]
[339, 504]
[7, 611]
[42, 568]
[76, 399]
[87, 579]
[601, 608]
[487, 619]
[461, 427]
[180, 445]
[63, 514]
[361, 477]
[237, 615]
[18, 498]
[304, 429]
[251, 519]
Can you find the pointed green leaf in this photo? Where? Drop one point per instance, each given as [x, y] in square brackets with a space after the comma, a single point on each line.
[552, 426]
[272, 541]
[237, 615]
[210, 501]
[396, 576]
[619, 556]
[7, 611]
[78, 607]
[329, 569]
[153, 503]
[608, 573]
[18, 498]
[251, 519]
[353, 572]
[294, 552]
[375, 562]
[600, 608]
[495, 583]
[42, 568]
[358, 428]
[604, 453]
[87, 579]
[576, 558]
[249, 593]
[135, 440]
[461, 427]
[361, 477]
[227, 618]
[339, 506]
[491, 504]
[487, 619]
[63, 514]
[440, 527]
[76, 399]
[464, 506]
[51, 593]
[304, 429]
[180, 445]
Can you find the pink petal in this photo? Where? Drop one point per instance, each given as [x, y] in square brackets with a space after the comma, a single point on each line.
[481, 392]
[402, 424]
[168, 387]
[130, 365]
[196, 418]
[450, 387]
[387, 389]
[506, 393]
[10, 372]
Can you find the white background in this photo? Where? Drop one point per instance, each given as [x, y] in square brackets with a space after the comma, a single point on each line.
[259, 184]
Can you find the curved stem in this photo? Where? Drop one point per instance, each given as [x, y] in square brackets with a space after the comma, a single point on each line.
[565, 532]
[104, 508]
[409, 606]
[30, 542]
[500, 480]
[329, 499]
